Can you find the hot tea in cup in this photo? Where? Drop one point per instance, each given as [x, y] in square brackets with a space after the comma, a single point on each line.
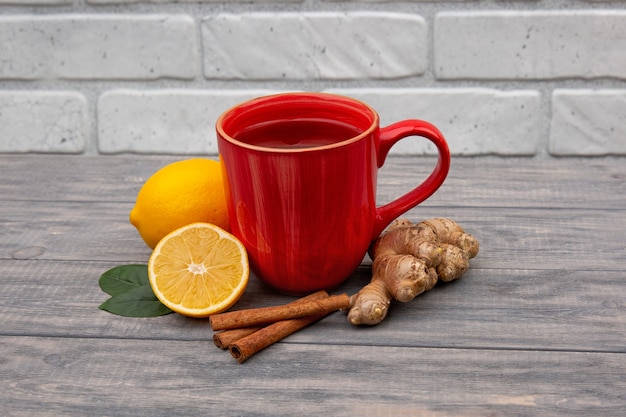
[301, 172]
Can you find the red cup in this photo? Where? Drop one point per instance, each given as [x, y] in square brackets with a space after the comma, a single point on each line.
[301, 172]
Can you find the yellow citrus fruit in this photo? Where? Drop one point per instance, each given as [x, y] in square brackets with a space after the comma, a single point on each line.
[198, 270]
[178, 194]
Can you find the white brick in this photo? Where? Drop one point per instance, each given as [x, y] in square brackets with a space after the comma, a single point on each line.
[37, 121]
[354, 45]
[164, 121]
[588, 122]
[530, 45]
[98, 47]
[473, 120]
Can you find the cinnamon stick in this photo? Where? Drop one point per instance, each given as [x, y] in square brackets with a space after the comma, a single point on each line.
[226, 337]
[246, 347]
[258, 316]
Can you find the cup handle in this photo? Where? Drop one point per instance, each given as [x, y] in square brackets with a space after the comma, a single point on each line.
[388, 137]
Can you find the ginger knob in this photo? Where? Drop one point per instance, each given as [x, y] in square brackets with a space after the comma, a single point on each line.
[409, 259]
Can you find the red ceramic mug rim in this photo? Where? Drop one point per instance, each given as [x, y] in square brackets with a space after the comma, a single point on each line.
[250, 106]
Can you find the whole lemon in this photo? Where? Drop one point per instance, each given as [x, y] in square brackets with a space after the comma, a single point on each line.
[178, 194]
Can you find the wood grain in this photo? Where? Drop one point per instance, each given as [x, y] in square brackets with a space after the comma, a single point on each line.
[537, 326]
[61, 376]
[473, 182]
[510, 238]
[563, 310]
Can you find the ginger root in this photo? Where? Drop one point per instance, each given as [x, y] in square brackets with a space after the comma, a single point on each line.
[408, 259]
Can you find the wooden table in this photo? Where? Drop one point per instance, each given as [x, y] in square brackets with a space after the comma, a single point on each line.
[537, 327]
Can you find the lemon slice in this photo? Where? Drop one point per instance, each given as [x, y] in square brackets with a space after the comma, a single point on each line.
[198, 270]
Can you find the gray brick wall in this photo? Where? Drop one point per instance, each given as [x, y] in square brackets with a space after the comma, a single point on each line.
[536, 78]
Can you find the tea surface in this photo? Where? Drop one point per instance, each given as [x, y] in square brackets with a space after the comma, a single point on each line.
[299, 133]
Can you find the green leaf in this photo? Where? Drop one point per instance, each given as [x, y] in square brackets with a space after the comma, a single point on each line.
[138, 302]
[131, 293]
[124, 278]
